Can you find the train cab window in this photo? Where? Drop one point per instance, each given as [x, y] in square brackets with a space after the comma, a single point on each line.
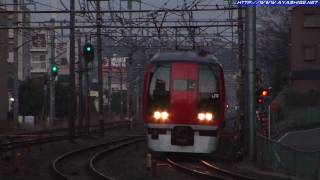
[209, 93]
[159, 88]
[184, 85]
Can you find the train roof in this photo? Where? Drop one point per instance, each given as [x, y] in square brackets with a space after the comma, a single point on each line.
[183, 56]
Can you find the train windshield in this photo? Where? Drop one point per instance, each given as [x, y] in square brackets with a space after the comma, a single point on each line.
[159, 89]
[184, 85]
[209, 91]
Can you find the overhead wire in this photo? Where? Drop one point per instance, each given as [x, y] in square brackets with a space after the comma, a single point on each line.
[194, 3]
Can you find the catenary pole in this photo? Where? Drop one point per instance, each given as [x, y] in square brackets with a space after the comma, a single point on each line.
[15, 67]
[87, 95]
[99, 57]
[251, 74]
[52, 78]
[80, 88]
[241, 78]
[72, 102]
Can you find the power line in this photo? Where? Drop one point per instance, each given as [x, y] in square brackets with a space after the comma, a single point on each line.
[122, 11]
[136, 21]
[118, 27]
[45, 5]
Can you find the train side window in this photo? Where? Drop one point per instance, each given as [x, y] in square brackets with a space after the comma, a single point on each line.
[159, 88]
[208, 88]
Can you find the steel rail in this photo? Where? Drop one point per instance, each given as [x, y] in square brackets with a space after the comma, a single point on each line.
[58, 161]
[50, 131]
[94, 158]
[51, 138]
[27, 142]
[194, 172]
[225, 171]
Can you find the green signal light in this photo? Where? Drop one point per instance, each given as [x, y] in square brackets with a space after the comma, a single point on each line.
[88, 52]
[54, 70]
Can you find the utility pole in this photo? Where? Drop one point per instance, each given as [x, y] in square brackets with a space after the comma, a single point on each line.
[72, 102]
[121, 93]
[87, 97]
[240, 94]
[128, 87]
[192, 31]
[109, 80]
[129, 5]
[99, 56]
[138, 95]
[80, 67]
[15, 65]
[176, 38]
[109, 85]
[52, 78]
[251, 74]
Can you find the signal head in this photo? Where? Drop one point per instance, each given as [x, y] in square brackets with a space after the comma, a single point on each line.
[88, 52]
[264, 93]
[88, 48]
[54, 70]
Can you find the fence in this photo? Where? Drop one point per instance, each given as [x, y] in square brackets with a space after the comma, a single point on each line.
[284, 159]
[288, 118]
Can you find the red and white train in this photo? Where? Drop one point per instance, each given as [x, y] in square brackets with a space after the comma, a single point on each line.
[183, 102]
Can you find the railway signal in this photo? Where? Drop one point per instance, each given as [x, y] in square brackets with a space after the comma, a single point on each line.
[261, 94]
[54, 70]
[264, 123]
[258, 96]
[88, 52]
[264, 93]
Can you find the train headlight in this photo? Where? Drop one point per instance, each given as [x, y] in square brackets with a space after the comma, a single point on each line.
[205, 116]
[157, 115]
[164, 115]
[209, 116]
[201, 116]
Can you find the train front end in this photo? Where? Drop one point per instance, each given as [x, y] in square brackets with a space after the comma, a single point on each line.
[183, 105]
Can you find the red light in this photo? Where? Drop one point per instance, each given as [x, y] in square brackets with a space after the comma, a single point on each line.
[260, 100]
[264, 93]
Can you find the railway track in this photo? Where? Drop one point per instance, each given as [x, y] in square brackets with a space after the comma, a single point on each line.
[92, 127]
[74, 164]
[18, 145]
[34, 138]
[205, 169]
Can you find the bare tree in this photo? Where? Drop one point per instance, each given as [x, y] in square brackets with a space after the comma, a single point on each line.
[272, 45]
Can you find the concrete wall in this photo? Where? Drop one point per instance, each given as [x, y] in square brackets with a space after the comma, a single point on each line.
[3, 69]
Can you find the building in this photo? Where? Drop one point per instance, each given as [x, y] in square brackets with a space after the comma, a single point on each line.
[41, 54]
[62, 56]
[118, 73]
[305, 49]
[15, 56]
[18, 58]
[3, 68]
[21, 42]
